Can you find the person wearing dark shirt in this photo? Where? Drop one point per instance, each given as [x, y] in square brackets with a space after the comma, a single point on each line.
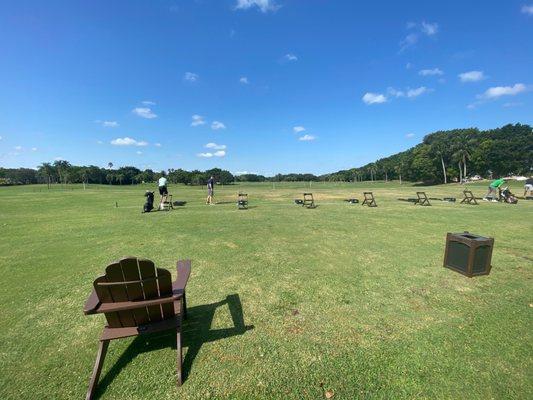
[210, 190]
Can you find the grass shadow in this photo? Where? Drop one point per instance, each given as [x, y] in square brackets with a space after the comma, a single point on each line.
[196, 331]
[179, 203]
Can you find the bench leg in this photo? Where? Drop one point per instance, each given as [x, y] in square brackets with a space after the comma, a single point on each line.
[100, 356]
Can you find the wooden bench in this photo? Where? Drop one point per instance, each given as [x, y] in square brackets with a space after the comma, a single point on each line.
[422, 199]
[369, 200]
[242, 201]
[137, 298]
[468, 198]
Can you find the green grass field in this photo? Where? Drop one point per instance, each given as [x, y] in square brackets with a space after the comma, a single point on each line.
[340, 298]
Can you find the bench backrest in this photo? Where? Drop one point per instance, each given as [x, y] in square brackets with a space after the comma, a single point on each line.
[132, 279]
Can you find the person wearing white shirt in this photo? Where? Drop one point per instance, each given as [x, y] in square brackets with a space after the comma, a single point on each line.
[163, 191]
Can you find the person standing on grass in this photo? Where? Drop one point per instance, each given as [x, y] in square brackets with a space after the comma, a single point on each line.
[210, 190]
[495, 189]
[163, 191]
[528, 187]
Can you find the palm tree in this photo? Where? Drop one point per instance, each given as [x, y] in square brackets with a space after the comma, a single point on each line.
[46, 170]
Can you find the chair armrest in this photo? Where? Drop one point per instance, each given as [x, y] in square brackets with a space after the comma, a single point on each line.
[132, 305]
[91, 304]
[183, 269]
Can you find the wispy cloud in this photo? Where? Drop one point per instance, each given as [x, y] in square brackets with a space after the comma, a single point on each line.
[127, 141]
[139, 152]
[197, 120]
[263, 5]
[191, 77]
[144, 112]
[527, 9]
[471, 76]
[217, 125]
[18, 148]
[512, 104]
[430, 72]
[157, 144]
[429, 29]
[306, 138]
[110, 124]
[499, 91]
[374, 98]
[298, 129]
[215, 146]
[420, 29]
[417, 92]
[290, 57]
[148, 103]
[410, 135]
[244, 80]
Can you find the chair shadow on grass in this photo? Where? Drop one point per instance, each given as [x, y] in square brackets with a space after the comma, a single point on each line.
[195, 332]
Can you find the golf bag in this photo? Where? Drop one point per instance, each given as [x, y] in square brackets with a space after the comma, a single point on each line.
[508, 197]
[149, 204]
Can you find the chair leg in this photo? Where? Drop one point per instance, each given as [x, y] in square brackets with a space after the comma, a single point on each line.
[179, 357]
[100, 356]
[184, 306]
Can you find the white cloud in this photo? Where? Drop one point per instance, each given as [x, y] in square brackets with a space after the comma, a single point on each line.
[410, 135]
[215, 146]
[99, 142]
[110, 124]
[157, 144]
[148, 103]
[144, 112]
[408, 65]
[34, 149]
[417, 92]
[127, 141]
[219, 153]
[471, 76]
[498, 91]
[430, 72]
[244, 80]
[216, 125]
[512, 104]
[374, 98]
[298, 129]
[263, 5]
[290, 57]
[424, 28]
[410, 40]
[307, 138]
[18, 148]
[139, 152]
[191, 77]
[527, 9]
[429, 29]
[395, 93]
[197, 120]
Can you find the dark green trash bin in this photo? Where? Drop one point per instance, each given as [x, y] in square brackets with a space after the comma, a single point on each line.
[468, 254]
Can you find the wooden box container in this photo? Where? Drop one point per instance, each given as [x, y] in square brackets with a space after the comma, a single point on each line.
[468, 254]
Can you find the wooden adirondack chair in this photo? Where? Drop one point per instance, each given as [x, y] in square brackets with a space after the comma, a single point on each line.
[369, 200]
[422, 199]
[137, 298]
[469, 198]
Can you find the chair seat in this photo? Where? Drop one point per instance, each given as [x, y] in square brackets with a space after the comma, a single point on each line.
[118, 333]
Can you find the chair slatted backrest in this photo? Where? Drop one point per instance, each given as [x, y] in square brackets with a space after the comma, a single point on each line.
[422, 199]
[369, 199]
[133, 279]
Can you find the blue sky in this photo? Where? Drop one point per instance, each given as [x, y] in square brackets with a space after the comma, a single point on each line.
[260, 86]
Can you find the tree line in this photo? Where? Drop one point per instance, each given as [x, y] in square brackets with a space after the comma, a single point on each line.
[441, 157]
[453, 155]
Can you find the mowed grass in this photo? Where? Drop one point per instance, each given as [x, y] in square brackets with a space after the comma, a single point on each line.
[340, 298]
